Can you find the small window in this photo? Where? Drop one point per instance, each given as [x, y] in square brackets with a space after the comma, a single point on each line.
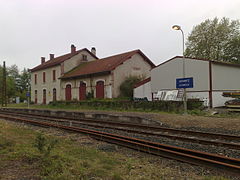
[84, 57]
[62, 69]
[54, 75]
[44, 77]
[35, 78]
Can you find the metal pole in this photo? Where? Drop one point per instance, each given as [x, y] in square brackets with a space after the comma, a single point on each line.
[28, 95]
[184, 75]
[4, 86]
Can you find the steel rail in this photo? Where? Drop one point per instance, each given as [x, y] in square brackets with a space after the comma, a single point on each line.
[146, 133]
[146, 127]
[231, 165]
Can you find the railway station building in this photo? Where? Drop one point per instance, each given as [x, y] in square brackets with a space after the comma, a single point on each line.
[76, 74]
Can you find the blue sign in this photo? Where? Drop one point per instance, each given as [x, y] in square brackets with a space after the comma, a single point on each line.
[184, 82]
[28, 94]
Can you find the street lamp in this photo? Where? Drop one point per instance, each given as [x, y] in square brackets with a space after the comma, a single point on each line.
[177, 27]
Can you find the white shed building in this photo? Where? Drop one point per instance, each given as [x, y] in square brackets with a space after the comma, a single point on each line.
[210, 78]
[143, 90]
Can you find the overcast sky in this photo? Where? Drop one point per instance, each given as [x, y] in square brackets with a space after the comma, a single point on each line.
[30, 29]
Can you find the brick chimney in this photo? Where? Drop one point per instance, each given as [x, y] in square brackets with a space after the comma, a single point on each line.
[51, 56]
[93, 50]
[73, 49]
[42, 60]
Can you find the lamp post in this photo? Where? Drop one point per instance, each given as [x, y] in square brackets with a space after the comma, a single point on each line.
[177, 27]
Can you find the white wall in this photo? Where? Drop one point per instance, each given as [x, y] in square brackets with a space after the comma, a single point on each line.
[143, 91]
[164, 76]
[225, 77]
[218, 99]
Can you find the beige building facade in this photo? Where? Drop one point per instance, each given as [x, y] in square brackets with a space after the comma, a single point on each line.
[77, 74]
[45, 82]
[110, 71]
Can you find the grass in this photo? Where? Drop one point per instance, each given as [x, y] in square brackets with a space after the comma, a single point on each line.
[70, 159]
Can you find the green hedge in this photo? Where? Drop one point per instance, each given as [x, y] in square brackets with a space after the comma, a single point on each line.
[169, 106]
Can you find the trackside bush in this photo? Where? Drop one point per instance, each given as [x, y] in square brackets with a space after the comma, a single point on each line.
[169, 106]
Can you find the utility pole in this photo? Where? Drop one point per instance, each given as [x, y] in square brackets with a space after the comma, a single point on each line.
[4, 86]
[28, 95]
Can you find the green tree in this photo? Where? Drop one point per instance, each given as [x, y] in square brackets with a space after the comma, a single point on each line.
[126, 88]
[17, 83]
[232, 50]
[24, 82]
[215, 39]
[10, 81]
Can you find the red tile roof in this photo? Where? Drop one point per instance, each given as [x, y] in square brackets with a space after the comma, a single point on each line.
[142, 82]
[103, 65]
[58, 60]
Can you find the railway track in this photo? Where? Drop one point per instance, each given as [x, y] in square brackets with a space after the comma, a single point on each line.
[231, 165]
[210, 138]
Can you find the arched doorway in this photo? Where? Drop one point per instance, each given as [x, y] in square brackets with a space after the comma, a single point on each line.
[82, 91]
[54, 95]
[44, 96]
[100, 89]
[68, 93]
[35, 98]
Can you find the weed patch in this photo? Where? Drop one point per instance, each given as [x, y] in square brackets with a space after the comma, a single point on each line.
[47, 157]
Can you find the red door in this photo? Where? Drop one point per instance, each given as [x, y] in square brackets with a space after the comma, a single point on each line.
[68, 93]
[44, 96]
[100, 89]
[82, 91]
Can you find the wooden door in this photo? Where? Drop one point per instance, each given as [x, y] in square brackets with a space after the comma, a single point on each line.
[68, 93]
[44, 96]
[100, 89]
[82, 91]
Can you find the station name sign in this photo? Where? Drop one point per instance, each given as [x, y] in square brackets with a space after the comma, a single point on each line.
[184, 82]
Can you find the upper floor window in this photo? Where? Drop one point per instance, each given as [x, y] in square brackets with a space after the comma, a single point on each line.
[44, 77]
[84, 57]
[62, 68]
[35, 78]
[54, 75]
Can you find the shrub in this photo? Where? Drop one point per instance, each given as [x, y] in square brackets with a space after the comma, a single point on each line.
[126, 88]
[90, 95]
[44, 145]
[126, 104]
